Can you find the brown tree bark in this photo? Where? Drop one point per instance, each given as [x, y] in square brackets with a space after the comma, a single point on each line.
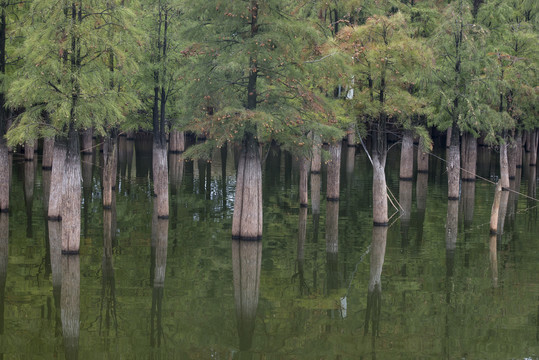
[177, 142]
[504, 166]
[70, 303]
[351, 135]
[48, 153]
[247, 218]
[57, 176]
[451, 227]
[29, 147]
[422, 159]
[468, 203]
[407, 156]
[332, 227]
[71, 196]
[494, 214]
[334, 172]
[110, 165]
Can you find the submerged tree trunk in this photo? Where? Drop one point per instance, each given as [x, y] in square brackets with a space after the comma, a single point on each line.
[351, 135]
[468, 202]
[422, 160]
[469, 157]
[247, 218]
[160, 177]
[407, 156]
[379, 193]
[405, 199]
[246, 265]
[494, 214]
[4, 177]
[374, 297]
[57, 176]
[48, 153]
[29, 151]
[71, 196]
[4, 256]
[334, 172]
[421, 204]
[29, 181]
[453, 165]
[303, 181]
[88, 141]
[504, 166]
[534, 141]
[70, 304]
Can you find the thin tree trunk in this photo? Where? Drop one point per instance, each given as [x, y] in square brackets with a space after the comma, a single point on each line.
[405, 199]
[303, 182]
[468, 202]
[493, 258]
[495, 209]
[110, 164]
[4, 177]
[71, 196]
[504, 166]
[374, 297]
[453, 165]
[512, 158]
[160, 178]
[334, 172]
[332, 227]
[469, 157]
[534, 141]
[88, 141]
[451, 227]
[407, 156]
[422, 161]
[247, 218]
[4, 256]
[57, 176]
[302, 236]
[29, 181]
[351, 135]
[379, 193]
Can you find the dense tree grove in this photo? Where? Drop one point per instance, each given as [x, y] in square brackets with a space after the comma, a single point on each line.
[253, 73]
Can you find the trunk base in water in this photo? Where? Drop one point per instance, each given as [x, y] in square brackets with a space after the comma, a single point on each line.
[160, 178]
[71, 197]
[379, 193]
[334, 172]
[247, 218]
[407, 157]
[4, 177]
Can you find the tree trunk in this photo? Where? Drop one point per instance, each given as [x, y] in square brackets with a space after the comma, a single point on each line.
[468, 202]
[176, 166]
[452, 226]
[493, 257]
[246, 265]
[70, 304]
[110, 165]
[379, 193]
[453, 165]
[494, 214]
[332, 227]
[4, 177]
[303, 182]
[159, 245]
[177, 142]
[407, 156]
[469, 157]
[57, 176]
[247, 218]
[48, 153]
[160, 178]
[519, 154]
[71, 196]
[512, 158]
[334, 172]
[316, 161]
[302, 236]
[504, 166]
[351, 135]
[422, 161]
[534, 141]
[350, 161]
[4, 256]
[88, 141]
[421, 203]
[29, 151]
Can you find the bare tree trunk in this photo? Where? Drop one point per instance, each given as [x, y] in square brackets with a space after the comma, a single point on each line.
[495, 209]
[71, 196]
[519, 151]
[453, 165]
[448, 137]
[158, 271]
[57, 176]
[160, 178]
[177, 142]
[247, 218]
[29, 151]
[29, 180]
[407, 156]
[405, 199]
[379, 193]
[110, 164]
[504, 166]
[493, 257]
[332, 227]
[534, 141]
[246, 265]
[303, 181]
[4, 177]
[334, 172]
[469, 157]
[422, 158]
[70, 303]
[88, 142]
[351, 135]
[48, 153]
[451, 227]
[316, 161]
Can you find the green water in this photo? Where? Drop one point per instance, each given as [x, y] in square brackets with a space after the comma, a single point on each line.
[219, 299]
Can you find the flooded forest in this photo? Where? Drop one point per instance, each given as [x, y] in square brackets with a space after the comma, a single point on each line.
[260, 179]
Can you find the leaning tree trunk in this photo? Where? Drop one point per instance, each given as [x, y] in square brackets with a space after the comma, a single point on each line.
[453, 165]
[71, 196]
[407, 156]
[334, 172]
[57, 176]
[160, 177]
[4, 177]
[247, 218]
